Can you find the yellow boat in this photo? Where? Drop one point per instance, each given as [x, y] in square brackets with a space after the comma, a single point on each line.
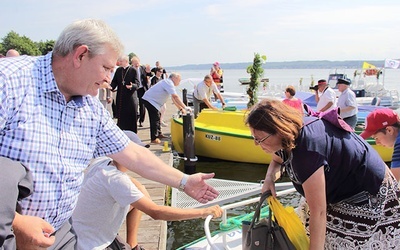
[223, 135]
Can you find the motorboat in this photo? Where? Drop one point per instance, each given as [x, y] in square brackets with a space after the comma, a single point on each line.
[221, 135]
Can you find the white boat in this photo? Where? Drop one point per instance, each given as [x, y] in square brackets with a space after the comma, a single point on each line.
[368, 85]
[230, 239]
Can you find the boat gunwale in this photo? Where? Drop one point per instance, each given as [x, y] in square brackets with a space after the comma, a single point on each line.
[216, 131]
[371, 141]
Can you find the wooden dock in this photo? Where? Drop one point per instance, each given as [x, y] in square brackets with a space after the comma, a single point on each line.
[153, 233]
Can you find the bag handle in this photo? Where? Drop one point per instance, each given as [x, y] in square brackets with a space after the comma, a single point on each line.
[256, 216]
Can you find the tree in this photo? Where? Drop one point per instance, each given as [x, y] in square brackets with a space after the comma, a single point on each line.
[45, 47]
[256, 72]
[130, 56]
[22, 44]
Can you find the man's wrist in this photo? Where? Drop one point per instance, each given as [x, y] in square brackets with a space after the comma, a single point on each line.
[182, 183]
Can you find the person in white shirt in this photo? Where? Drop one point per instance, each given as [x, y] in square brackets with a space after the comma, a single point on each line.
[156, 97]
[325, 96]
[347, 103]
[109, 197]
[202, 95]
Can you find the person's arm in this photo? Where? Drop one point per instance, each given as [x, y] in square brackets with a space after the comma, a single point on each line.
[327, 106]
[346, 109]
[209, 104]
[32, 232]
[221, 99]
[179, 103]
[212, 70]
[273, 173]
[314, 189]
[143, 162]
[158, 212]
[316, 96]
[114, 83]
[396, 172]
[108, 95]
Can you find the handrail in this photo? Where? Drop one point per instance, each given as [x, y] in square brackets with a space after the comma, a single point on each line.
[224, 216]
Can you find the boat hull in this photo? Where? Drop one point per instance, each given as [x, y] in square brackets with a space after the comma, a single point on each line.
[223, 135]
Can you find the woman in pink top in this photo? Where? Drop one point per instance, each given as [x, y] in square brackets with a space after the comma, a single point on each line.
[291, 100]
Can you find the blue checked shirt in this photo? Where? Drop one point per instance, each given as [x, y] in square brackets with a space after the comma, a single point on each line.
[55, 139]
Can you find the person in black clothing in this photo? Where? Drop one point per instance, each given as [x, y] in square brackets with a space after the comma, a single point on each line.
[154, 70]
[124, 81]
[143, 86]
[157, 76]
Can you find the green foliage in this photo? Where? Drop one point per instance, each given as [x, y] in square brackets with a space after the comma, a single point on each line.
[24, 45]
[45, 47]
[130, 56]
[256, 72]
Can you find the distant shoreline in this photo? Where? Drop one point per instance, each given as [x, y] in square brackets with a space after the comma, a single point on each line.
[323, 64]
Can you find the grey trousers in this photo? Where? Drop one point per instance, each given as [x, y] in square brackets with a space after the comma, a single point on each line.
[15, 184]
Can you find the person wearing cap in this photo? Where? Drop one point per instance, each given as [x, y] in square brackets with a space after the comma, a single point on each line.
[217, 75]
[325, 96]
[383, 125]
[202, 95]
[109, 196]
[347, 103]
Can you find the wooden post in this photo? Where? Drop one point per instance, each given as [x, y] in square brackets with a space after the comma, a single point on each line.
[184, 97]
[188, 143]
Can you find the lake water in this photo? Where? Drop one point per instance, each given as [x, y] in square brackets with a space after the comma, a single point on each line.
[181, 233]
[281, 78]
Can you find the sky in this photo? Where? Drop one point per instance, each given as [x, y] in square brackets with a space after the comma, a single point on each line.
[180, 32]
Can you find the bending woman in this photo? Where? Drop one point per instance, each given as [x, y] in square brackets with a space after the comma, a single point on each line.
[352, 196]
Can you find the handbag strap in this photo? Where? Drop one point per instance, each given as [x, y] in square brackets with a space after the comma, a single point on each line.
[256, 216]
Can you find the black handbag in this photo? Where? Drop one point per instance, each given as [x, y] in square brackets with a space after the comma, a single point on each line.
[265, 233]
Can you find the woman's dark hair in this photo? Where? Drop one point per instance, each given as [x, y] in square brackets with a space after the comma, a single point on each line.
[290, 89]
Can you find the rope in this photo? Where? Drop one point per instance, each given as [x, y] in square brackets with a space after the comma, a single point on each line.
[236, 222]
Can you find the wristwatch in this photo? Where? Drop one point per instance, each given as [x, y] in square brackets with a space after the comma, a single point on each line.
[182, 184]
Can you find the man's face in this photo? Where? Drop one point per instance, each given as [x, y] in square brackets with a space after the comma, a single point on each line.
[341, 87]
[208, 82]
[93, 73]
[321, 86]
[135, 62]
[176, 80]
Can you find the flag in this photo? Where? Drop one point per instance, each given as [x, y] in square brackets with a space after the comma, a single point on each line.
[390, 63]
[368, 66]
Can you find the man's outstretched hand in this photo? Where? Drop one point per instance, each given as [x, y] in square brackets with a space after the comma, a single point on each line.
[198, 189]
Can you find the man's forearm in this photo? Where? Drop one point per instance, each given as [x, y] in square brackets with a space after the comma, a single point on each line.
[143, 162]
[327, 106]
